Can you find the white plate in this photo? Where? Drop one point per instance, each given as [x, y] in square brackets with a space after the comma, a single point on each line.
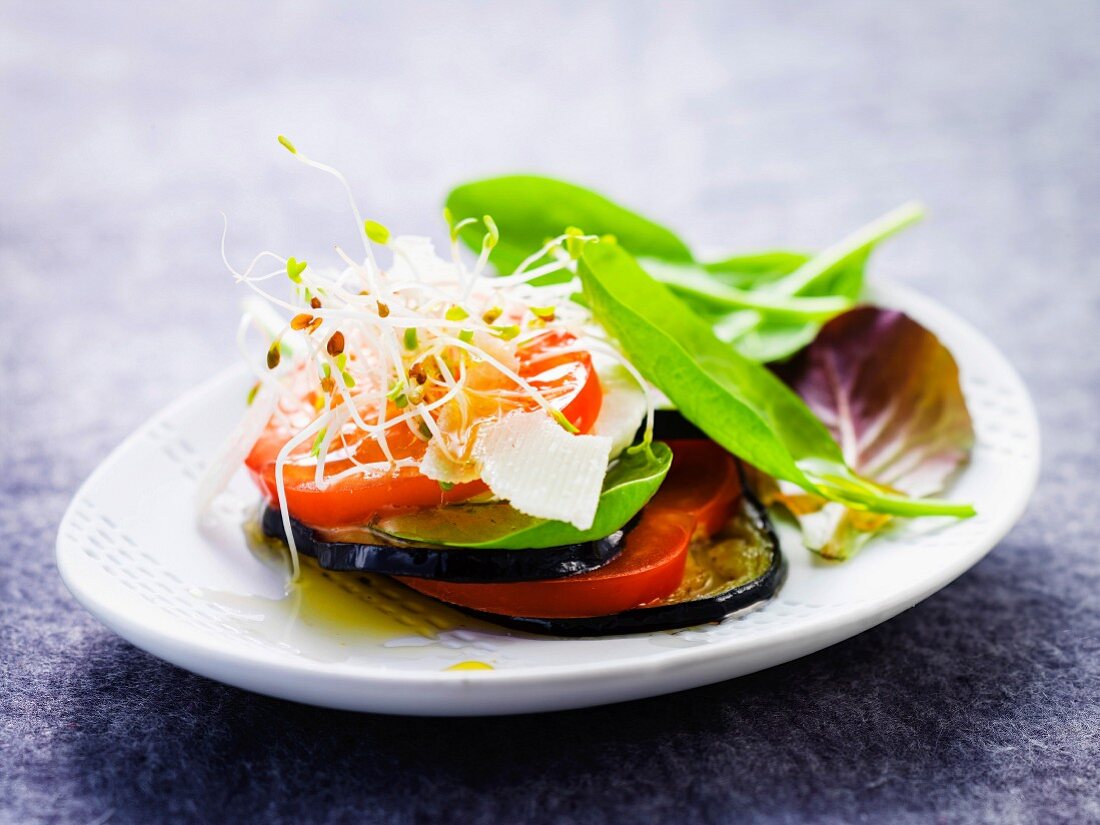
[130, 550]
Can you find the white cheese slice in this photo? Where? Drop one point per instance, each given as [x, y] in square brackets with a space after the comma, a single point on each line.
[543, 471]
[438, 466]
[623, 408]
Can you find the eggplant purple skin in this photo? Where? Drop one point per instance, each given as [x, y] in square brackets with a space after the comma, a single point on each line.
[669, 425]
[453, 564]
[667, 616]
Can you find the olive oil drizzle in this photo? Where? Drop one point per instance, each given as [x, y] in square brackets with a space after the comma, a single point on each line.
[330, 616]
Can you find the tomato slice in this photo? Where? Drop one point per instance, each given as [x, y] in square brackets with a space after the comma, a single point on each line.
[703, 481]
[697, 497]
[565, 376]
[346, 503]
[650, 566]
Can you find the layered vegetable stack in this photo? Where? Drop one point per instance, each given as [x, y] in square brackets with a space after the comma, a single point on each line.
[487, 430]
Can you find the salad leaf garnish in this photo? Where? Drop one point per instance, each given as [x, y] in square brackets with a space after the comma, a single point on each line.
[753, 269]
[629, 484]
[529, 209]
[758, 337]
[702, 291]
[826, 272]
[770, 305]
[888, 390]
[737, 402]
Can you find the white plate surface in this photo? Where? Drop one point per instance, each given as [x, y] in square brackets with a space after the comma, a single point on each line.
[131, 551]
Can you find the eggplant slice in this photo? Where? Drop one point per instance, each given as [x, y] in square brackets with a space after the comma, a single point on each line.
[671, 424]
[742, 566]
[368, 553]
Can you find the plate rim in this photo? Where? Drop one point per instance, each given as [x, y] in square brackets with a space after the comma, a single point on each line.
[189, 648]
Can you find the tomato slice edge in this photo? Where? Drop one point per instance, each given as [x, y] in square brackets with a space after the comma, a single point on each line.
[615, 587]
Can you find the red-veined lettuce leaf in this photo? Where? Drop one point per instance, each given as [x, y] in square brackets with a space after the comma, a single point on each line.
[888, 390]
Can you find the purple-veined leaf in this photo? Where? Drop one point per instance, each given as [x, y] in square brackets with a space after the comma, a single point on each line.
[889, 392]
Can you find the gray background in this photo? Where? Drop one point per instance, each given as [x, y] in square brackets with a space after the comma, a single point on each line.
[125, 128]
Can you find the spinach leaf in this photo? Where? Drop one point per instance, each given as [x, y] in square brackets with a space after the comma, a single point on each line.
[630, 483]
[737, 402]
[732, 296]
[838, 270]
[829, 278]
[704, 290]
[753, 269]
[757, 337]
[765, 340]
[529, 210]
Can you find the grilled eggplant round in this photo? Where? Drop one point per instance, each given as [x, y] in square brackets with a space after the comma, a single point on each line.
[361, 551]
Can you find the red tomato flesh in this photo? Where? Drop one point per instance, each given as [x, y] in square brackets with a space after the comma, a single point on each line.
[696, 498]
[566, 379]
[703, 481]
[650, 566]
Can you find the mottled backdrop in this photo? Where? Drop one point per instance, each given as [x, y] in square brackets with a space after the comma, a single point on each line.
[125, 128]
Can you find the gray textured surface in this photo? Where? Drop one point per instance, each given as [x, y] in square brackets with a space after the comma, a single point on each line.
[125, 129]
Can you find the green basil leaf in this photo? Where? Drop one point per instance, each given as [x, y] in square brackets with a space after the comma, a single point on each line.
[630, 483]
[529, 210]
[737, 402]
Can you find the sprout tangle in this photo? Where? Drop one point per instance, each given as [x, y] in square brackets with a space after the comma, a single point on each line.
[358, 351]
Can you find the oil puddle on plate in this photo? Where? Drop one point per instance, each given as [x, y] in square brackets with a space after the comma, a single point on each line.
[336, 617]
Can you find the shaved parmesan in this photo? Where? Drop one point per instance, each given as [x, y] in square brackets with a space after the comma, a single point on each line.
[437, 465]
[623, 407]
[543, 471]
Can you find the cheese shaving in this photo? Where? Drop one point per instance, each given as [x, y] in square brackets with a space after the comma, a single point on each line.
[542, 470]
[623, 408]
[439, 466]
